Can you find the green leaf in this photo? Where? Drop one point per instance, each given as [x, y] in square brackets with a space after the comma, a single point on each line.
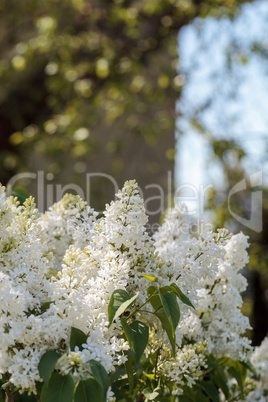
[25, 397]
[234, 373]
[116, 375]
[186, 398]
[100, 375]
[129, 370]
[151, 395]
[200, 396]
[151, 290]
[181, 295]
[239, 367]
[221, 381]
[137, 334]
[167, 310]
[213, 365]
[46, 306]
[150, 376]
[119, 302]
[171, 307]
[38, 385]
[88, 391]
[150, 278]
[47, 364]
[77, 338]
[59, 389]
[161, 314]
[211, 390]
[2, 395]
[251, 368]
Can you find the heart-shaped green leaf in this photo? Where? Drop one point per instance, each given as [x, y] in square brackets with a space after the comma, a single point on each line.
[77, 338]
[137, 334]
[59, 389]
[88, 391]
[47, 364]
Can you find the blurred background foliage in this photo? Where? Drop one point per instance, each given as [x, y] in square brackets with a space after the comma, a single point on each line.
[256, 297]
[83, 78]
[91, 86]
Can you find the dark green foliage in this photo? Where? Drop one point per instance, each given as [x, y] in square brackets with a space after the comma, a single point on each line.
[77, 338]
[59, 389]
[47, 364]
[88, 391]
[119, 302]
[137, 334]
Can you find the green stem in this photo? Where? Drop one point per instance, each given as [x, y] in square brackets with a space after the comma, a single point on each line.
[143, 304]
[145, 311]
[156, 361]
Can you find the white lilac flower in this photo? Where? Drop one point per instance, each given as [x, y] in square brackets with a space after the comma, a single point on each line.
[185, 368]
[260, 361]
[207, 271]
[71, 262]
[66, 222]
